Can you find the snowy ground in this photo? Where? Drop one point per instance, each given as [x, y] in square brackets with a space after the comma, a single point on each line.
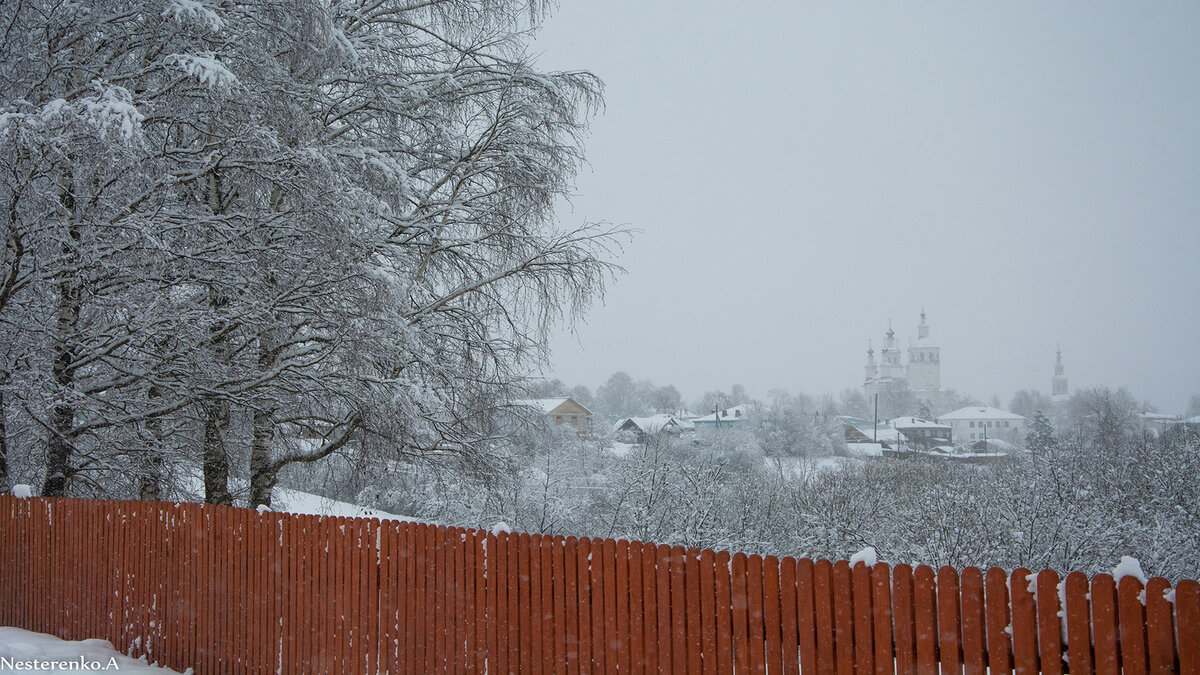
[22, 651]
[295, 501]
[287, 500]
[797, 467]
[622, 449]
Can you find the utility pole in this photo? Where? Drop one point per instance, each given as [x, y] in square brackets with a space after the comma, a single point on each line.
[875, 423]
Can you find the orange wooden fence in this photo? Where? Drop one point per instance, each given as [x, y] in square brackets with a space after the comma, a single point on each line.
[232, 590]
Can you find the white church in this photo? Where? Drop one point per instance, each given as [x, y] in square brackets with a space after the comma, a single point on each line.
[922, 375]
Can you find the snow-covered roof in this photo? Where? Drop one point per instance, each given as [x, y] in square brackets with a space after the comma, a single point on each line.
[916, 423]
[887, 433]
[652, 424]
[882, 432]
[995, 445]
[864, 449]
[979, 412]
[737, 412]
[547, 405]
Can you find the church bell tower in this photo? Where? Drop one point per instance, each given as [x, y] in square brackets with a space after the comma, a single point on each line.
[924, 363]
[1058, 384]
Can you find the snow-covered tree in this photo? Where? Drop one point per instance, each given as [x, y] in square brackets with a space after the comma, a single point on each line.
[618, 396]
[924, 410]
[1026, 402]
[1040, 437]
[249, 234]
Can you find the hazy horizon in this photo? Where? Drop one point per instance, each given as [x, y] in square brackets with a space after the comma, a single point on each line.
[802, 174]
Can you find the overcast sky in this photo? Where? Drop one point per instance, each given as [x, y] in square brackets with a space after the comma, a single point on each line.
[802, 172]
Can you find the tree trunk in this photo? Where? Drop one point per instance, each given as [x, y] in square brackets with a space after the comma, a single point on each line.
[216, 462]
[4, 484]
[151, 477]
[62, 416]
[151, 483]
[262, 472]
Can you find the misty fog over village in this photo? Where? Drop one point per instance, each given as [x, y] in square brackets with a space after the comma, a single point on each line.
[737, 297]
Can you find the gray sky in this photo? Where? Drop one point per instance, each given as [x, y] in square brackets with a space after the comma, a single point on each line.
[802, 172]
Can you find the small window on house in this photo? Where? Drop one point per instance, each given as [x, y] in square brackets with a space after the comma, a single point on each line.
[558, 419]
[972, 426]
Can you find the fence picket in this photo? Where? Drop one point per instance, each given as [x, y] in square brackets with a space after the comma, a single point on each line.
[692, 579]
[902, 619]
[1024, 622]
[1079, 638]
[637, 627]
[663, 588]
[561, 605]
[584, 591]
[997, 609]
[723, 574]
[754, 612]
[477, 569]
[882, 608]
[547, 618]
[679, 642]
[974, 626]
[497, 602]
[650, 605]
[864, 614]
[440, 598]
[573, 605]
[949, 620]
[1049, 622]
[823, 610]
[1187, 615]
[925, 619]
[843, 618]
[1160, 627]
[770, 613]
[788, 625]
[1132, 621]
[806, 621]
[611, 622]
[531, 603]
[741, 605]
[1104, 625]
[514, 602]
[412, 600]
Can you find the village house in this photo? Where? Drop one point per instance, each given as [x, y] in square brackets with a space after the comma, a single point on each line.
[727, 418]
[923, 433]
[645, 427]
[564, 410]
[981, 422]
